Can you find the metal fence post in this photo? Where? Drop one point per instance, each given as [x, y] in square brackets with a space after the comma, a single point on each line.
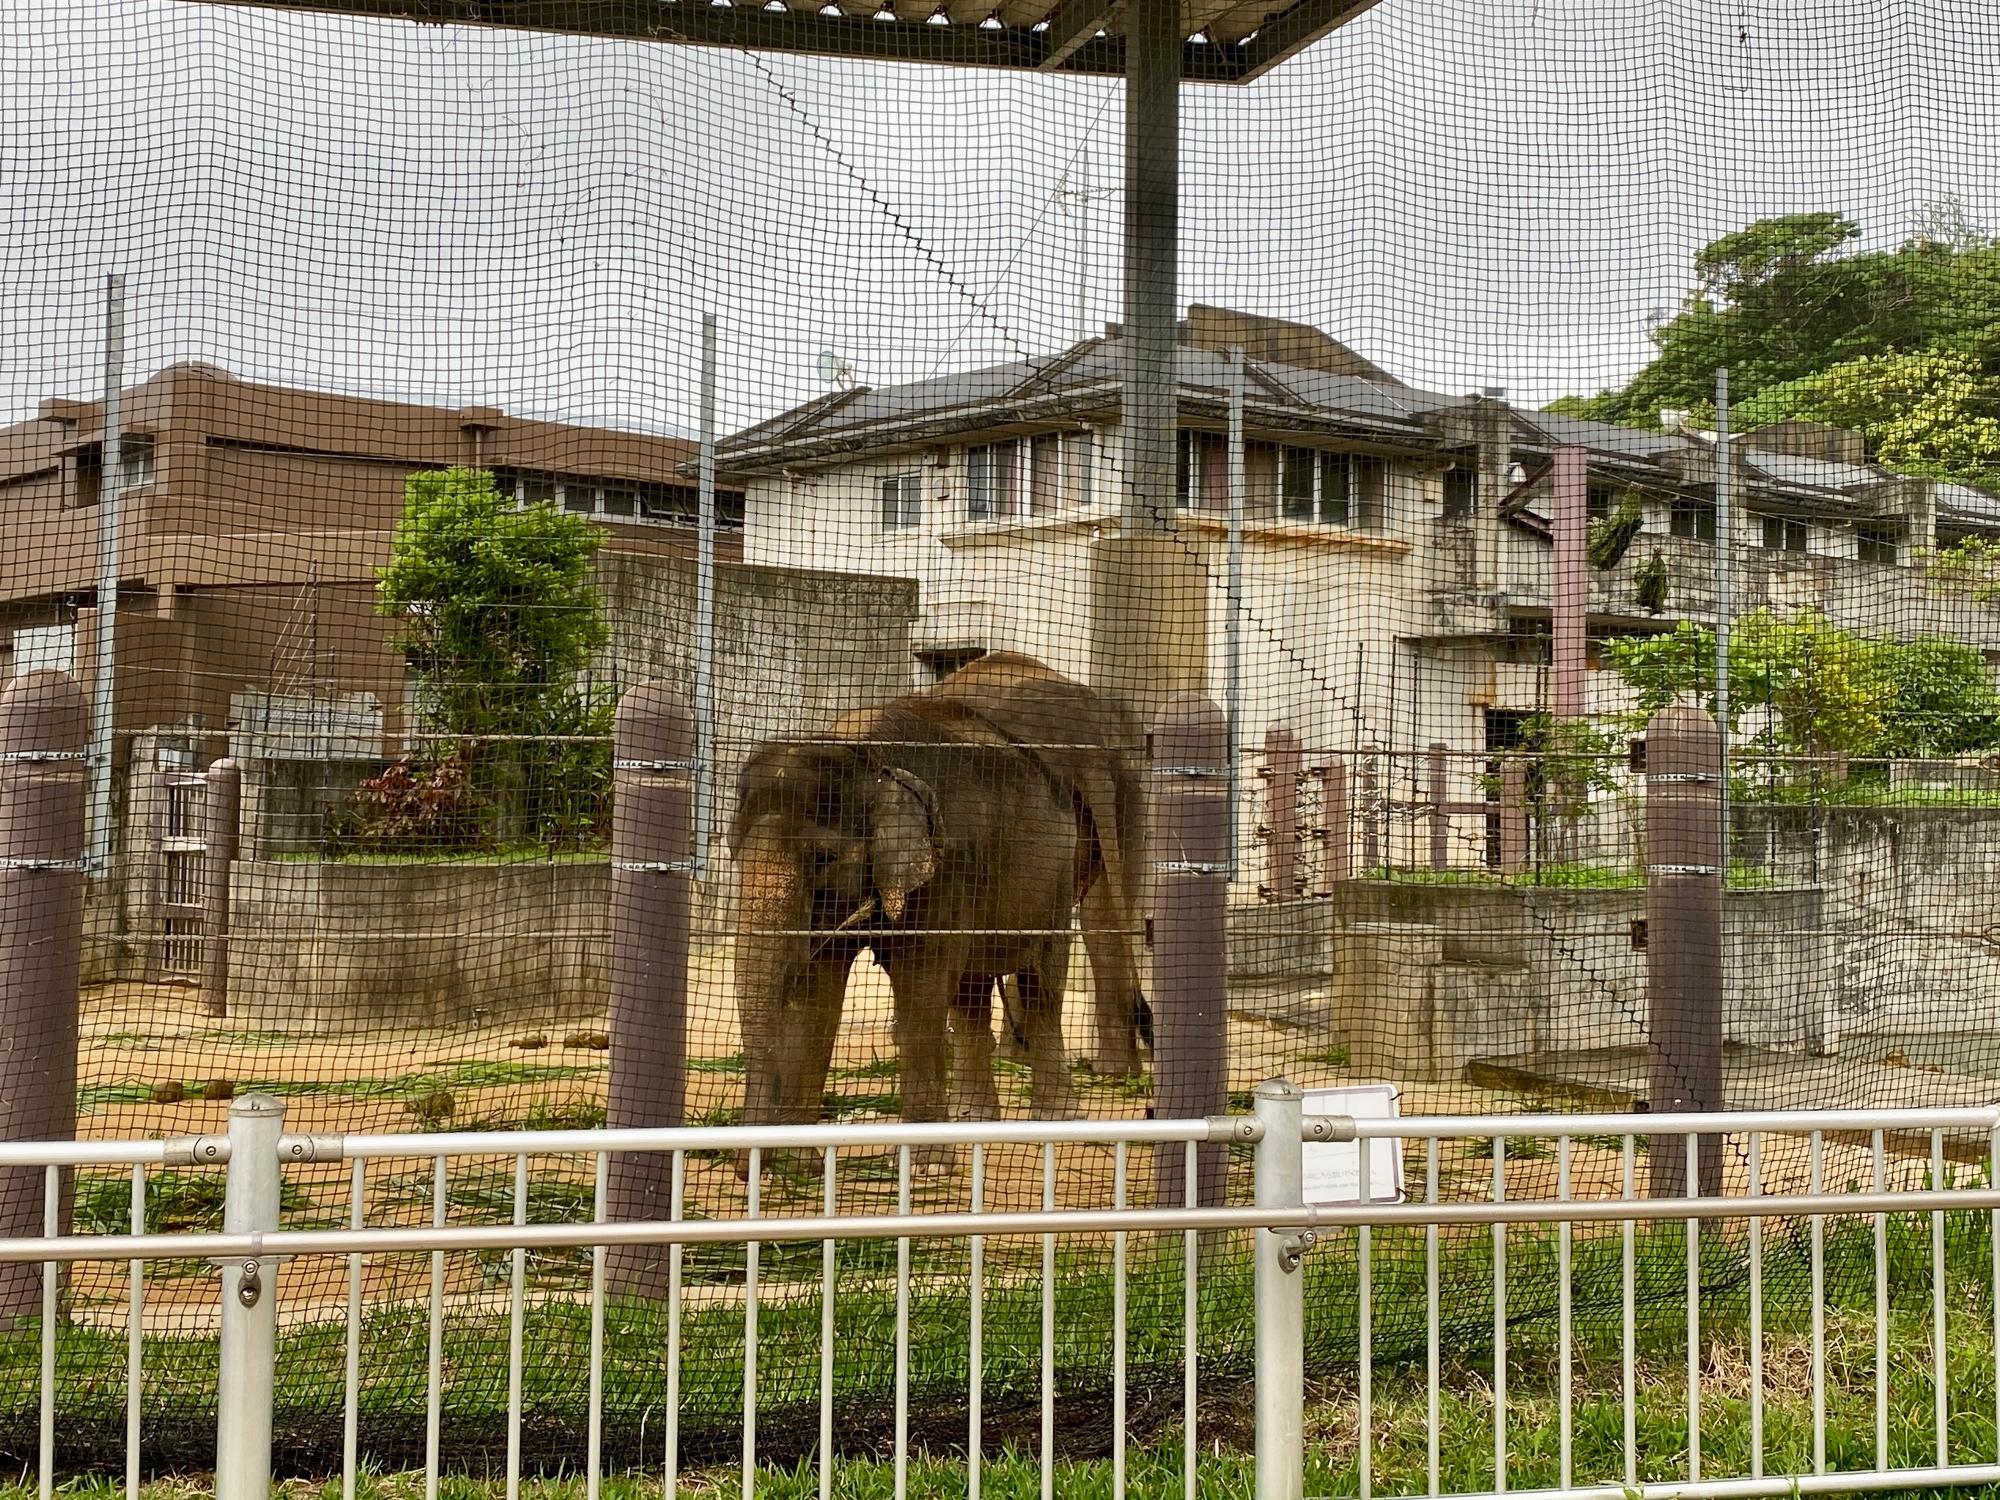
[44, 724]
[1280, 1298]
[247, 1374]
[1684, 932]
[220, 818]
[652, 864]
[1191, 932]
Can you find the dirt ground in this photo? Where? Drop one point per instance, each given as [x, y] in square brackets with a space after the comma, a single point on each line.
[149, 1055]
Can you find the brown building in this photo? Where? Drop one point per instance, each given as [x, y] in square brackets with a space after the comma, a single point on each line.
[252, 521]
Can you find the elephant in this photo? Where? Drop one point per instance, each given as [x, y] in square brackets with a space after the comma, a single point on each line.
[917, 831]
[1089, 744]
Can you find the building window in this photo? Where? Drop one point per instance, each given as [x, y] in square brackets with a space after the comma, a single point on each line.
[660, 504]
[1045, 475]
[1314, 486]
[1028, 476]
[1783, 534]
[1204, 472]
[903, 502]
[1598, 502]
[137, 468]
[1876, 544]
[1461, 491]
[1368, 492]
[1692, 519]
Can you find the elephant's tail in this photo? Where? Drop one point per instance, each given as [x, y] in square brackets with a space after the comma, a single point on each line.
[1142, 1019]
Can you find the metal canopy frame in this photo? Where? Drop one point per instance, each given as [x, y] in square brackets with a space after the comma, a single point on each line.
[1073, 39]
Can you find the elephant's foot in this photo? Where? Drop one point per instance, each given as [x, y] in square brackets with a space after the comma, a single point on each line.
[977, 1098]
[1058, 1104]
[933, 1161]
[1115, 1061]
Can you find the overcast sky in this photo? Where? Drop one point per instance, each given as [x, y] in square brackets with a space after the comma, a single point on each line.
[1471, 192]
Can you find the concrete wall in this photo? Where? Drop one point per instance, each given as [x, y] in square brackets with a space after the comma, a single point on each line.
[349, 946]
[795, 649]
[1912, 901]
[1421, 979]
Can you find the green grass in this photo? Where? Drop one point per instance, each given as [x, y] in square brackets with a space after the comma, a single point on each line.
[311, 1362]
[526, 854]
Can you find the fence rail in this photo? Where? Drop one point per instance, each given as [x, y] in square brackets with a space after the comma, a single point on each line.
[1820, 1178]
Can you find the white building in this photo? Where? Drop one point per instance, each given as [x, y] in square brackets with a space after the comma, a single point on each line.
[1397, 555]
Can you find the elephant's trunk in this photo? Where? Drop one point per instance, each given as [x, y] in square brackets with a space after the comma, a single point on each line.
[772, 963]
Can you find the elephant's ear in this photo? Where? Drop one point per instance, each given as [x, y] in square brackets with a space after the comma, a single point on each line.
[902, 839]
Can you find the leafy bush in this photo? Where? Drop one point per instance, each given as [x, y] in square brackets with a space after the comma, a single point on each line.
[498, 620]
[411, 807]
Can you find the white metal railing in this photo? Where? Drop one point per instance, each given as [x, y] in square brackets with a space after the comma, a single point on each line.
[1778, 1166]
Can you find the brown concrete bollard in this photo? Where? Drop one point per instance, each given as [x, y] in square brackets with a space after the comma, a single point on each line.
[222, 815]
[44, 723]
[1190, 933]
[1281, 818]
[652, 864]
[1684, 935]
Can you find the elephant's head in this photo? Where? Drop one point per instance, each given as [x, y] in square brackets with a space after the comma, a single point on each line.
[828, 843]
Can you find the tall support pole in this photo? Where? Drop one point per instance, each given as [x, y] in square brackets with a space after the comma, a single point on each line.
[1152, 227]
[1684, 933]
[1149, 586]
[1190, 932]
[103, 686]
[652, 817]
[1570, 600]
[704, 612]
[1233, 691]
[1725, 595]
[43, 718]
[223, 814]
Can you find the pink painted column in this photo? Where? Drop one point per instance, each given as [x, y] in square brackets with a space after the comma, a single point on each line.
[1281, 820]
[1570, 600]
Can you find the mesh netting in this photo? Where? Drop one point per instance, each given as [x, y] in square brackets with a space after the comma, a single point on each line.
[408, 499]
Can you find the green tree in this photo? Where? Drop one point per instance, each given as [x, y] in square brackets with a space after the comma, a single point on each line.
[1820, 690]
[497, 621]
[1790, 298]
[1939, 700]
[1926, 412]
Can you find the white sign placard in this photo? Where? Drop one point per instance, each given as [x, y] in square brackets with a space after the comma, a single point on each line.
[1333, 1168]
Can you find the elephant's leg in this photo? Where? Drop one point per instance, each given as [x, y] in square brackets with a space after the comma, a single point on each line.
[1053, 1095]
[1114, 981]
[796, 1057]
[817, 1025]
[974, 1096]
[925, 987]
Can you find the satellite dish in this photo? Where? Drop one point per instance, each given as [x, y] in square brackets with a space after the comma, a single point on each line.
[836, 369]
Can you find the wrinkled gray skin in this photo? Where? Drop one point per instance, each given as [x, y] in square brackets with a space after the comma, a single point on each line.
[1092, 747]
[916, 831]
